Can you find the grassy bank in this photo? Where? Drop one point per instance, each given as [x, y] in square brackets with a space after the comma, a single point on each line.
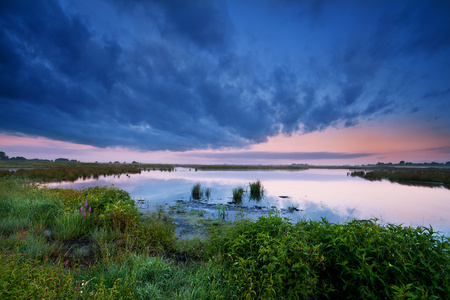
[408, 175]
[93, 243]
[71, 171]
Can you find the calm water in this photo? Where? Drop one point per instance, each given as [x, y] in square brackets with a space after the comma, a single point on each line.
[316, 192]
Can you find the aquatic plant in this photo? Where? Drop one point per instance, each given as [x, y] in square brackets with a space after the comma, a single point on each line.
[237, 194]
[256, 190]
[208, 193]
[222, 210]
[197, 192]
[292, 208]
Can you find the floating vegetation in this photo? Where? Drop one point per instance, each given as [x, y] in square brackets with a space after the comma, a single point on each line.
[292, 208]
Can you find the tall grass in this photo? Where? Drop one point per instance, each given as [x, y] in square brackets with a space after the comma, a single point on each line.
[256, 190]
[238, 194]
[44, 254]
[197, 192]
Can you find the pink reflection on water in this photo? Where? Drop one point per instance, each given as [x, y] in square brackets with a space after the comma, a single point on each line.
[318, 192]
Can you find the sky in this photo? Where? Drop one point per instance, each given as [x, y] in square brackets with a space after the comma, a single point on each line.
[233, 81]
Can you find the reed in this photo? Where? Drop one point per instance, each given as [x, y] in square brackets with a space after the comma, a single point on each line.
[238, 194]
[197, 192]
[256, 190]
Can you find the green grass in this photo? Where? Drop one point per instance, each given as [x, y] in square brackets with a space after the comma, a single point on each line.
[238, 194]
[256, 190]
[408, 175]
[49, 249]
[197, 192]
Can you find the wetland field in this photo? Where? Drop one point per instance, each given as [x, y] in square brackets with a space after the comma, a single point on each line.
[221, 232]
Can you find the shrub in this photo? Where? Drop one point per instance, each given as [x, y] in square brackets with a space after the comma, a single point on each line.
[365, 260]
[271, 258]
[266, 259]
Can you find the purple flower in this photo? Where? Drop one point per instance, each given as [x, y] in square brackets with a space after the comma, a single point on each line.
[85, 214]
[85, 203]
[81, 209]
[89, 208]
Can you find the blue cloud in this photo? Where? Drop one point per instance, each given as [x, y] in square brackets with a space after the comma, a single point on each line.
[171, 75]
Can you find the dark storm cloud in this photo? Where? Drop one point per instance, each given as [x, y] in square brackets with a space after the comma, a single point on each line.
[179, 82]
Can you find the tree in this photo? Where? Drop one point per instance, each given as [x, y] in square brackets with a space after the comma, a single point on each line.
[3, 156]
[402, 162]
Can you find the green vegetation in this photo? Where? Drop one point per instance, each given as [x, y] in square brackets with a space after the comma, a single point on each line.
[197, 192]
[92, 243]
[408, 175]
[208, 193]
[256, 190]
[70, 171]
[274, 259]
[238, 194]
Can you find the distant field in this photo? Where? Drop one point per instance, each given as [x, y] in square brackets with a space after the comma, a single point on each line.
[71, 171]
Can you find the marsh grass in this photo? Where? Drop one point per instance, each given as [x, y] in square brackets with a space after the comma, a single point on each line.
[256, 190]
[72, 226]
[408, 175]
[197, 192]
[238, 193]
[133, 257]
[222, 211]
[208, 193]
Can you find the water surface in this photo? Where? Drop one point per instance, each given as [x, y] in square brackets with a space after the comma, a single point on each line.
[317, 193]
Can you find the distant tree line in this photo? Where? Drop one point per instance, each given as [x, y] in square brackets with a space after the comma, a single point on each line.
[403, 163]
[3, 156]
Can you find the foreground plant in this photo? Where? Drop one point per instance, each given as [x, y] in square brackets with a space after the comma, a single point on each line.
[271, 258]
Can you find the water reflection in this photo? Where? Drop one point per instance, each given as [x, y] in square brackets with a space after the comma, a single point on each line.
[317, 193]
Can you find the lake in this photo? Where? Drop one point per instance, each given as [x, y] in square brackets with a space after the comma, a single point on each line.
[316, 193]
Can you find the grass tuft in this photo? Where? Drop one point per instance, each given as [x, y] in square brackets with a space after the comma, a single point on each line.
[256, 190]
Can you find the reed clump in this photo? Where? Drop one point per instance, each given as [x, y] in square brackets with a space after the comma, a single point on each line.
[197, 192]
[238, 194]
[256, 190]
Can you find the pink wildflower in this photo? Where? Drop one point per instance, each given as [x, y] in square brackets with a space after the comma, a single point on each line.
[85, 214]
[85, 203]
[81, 209]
